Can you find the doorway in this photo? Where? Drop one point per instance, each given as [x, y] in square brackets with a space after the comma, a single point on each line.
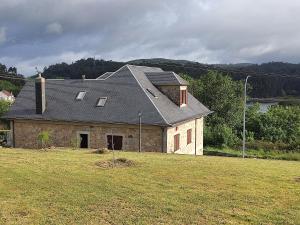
[115, 141]
[83, 140]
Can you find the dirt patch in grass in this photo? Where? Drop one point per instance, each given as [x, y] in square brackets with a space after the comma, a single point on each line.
[100, 151]
[297, 179]
[120, 162]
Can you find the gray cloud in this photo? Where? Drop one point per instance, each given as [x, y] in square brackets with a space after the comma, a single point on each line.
[39, 33]
[2, 35]
[54, 28]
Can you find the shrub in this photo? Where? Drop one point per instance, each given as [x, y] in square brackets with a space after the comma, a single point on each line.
[279, 124]
[270, 146]
[220, 135]
[44, 138]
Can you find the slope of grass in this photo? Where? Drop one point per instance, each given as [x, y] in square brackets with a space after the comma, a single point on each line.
[67, 187]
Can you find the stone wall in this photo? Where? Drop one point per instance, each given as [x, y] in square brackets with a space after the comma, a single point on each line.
[172, 92]
[65, 134]
[197, 143]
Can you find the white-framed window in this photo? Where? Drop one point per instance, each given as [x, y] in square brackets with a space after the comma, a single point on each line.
[80, 95]
[101, 101]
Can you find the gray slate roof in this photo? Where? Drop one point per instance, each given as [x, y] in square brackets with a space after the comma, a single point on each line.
[104, 76]
[126, 95]
[165, 78]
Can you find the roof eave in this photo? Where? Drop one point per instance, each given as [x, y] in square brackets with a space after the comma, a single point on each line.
[197, 116]
[80, 121]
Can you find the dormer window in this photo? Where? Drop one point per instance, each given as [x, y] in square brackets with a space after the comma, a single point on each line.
[101, 101]
[183, 97]
[80, 95]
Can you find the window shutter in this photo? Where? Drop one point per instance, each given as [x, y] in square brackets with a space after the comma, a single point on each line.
[183, 97]
[176, 142]
[189, 136]
[180, 97]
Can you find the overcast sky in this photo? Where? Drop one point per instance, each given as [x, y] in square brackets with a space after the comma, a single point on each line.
[39, 33]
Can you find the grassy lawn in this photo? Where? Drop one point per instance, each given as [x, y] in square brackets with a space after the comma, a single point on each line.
[251, 153]
[67, 187]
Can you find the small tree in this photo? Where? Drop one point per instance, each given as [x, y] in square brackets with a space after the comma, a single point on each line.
[44, 138]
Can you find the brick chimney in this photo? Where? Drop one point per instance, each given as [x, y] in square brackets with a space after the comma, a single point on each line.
[40, 95]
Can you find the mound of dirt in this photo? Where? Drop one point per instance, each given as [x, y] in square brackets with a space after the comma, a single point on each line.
[120, 162]
[100, 151]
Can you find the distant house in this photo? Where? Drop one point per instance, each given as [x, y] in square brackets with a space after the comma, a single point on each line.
[134, 108]
[7, 96]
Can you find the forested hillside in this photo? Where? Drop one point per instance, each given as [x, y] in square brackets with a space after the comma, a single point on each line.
[10, 80]
[268, 80]
[273, 79]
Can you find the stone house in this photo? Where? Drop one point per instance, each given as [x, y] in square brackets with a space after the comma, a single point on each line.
[7, 96]
[135, 108]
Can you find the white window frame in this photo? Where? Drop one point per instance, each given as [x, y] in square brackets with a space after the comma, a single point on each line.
[83, 95]
[99, 99]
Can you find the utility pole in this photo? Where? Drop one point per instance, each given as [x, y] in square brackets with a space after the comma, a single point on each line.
[140, 131]
[244, 122]
[113, 147]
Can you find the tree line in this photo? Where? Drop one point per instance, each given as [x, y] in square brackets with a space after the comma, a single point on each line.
[221, 93]
[10, 80]
[278, 128]
[269, 79]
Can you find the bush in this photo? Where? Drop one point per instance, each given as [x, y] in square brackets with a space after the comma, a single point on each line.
[44, 138]
[220, 135]
[268, 146]
[279, 124]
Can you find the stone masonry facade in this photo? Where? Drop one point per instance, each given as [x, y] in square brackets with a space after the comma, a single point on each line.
[173, 92]
[154, 138]
[65, 134]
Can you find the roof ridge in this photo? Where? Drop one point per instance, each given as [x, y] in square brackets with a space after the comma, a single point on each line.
[99, 77]
[113, 73]
[145, 66]
[128, 66]
[175, 75]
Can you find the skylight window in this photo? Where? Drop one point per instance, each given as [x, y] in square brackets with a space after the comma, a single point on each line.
[152, 93]
[101, 101]
[80, 95]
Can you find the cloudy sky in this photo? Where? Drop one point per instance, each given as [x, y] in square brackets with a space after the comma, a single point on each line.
[39, 33]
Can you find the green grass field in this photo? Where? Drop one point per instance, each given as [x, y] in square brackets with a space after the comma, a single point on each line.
[251, 153]
[67, 187]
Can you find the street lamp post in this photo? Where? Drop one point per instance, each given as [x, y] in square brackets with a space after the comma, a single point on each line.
[244, 122]
[140, 131]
